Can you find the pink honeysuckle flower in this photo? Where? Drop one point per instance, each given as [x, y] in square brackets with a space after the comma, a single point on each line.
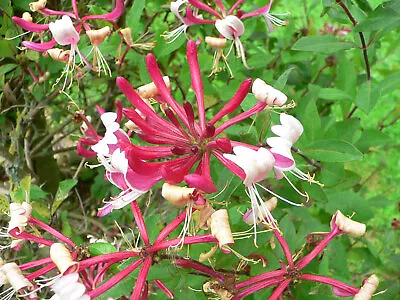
[266, 93]
[227, 23]
[181, 140]
[289, 131]
[66, 32]
[292, 271]
[257, 165]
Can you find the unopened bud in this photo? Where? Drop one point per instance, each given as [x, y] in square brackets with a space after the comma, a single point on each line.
[62, 258]
[98, 36]
[368, 288]
[220, 228]
[215, 43]
[37, 5]
[44, 77]
[268, 94]
[15, 277]
[261, 214]
[347, 225]
[127, 35]
[150, 90]
[26, 16]
[59, 54]
[176, 195]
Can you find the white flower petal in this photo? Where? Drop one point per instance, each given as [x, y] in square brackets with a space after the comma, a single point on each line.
[64, 32]
[108, 118]
[230, 27]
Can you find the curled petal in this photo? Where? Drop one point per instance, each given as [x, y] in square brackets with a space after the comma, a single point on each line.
[39, 47]
[201, 183]
[112, 16]
[29, 26]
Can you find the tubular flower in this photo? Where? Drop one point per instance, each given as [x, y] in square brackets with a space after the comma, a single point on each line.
[67, 31]
[288, 132]
[69, 287]
[227, 22]
[179, 141]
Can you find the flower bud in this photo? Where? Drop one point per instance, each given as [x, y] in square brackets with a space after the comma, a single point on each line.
[38, 5]
[98, 36]
[15, 277]
[220, 228]
[215, 43]
[347, 225]
[176, 195]
[270, 204]
[268, 94]
[368, 288]
[150, 90]
[62, 258]
[59, 54]
[127, 36]
[26, 16]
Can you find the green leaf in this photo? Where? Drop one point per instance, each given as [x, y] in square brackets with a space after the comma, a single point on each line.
[384, 16]
[334, 94]
[332, 151]
[134, 14]
[100, 248]
[321, 43]
[367, 96]
[7, 68]
[62, 193]
[281, 81]
[390, 83]
[4, 204]
[25, 185]
[371, 138]
[348, 203]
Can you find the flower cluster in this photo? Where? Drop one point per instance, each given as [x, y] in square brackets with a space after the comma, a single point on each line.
[66, 31]
[228, 22]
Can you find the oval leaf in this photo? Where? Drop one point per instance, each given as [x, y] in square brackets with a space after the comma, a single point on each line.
[332, 151]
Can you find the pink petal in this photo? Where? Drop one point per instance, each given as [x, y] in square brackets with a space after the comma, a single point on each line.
[282, 161]
[112, 16]
[200, 182]
[341, 292]
[263, 10]
[30, 26]
[39, 47]
[202, 6]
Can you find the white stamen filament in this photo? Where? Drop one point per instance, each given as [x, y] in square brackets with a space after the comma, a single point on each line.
[280, 197]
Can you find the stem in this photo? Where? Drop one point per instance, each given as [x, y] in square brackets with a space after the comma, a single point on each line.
[364, 49]
[187, 263]
[114, 280]
[36, 263]
[330, 281]
[40, 272]
[52, 231]
[258, 286]
[140, 223]
[285, 248]
[261, 277]
[306, 158]
[206, 238]
[279, 290]
[141, 279]
[106, 258]
[317, 250]
[171, 227]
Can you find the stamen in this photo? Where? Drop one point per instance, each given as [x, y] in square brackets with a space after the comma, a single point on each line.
[174, 34]
[241, 256]
[294, 187]
[276, 195]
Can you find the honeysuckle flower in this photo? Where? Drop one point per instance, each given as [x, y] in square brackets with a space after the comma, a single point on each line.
[227, 22]
[220, 228]
[179, 145]
[270, 204]
[19, 214]
[293, 271]
[290, 128]
[66, 32]
[12, 274]
[348, 225]
[62, 258]
[69, 287]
